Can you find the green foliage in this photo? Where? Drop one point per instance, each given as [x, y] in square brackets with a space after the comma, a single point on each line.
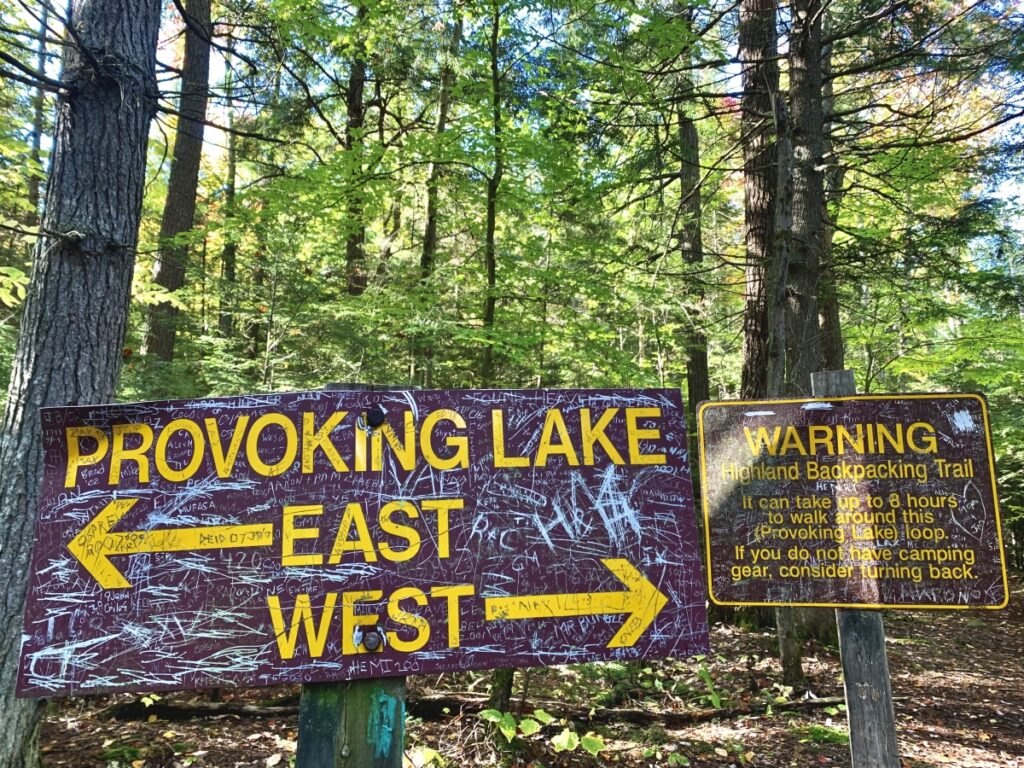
[823, 734]
[566, 740]
[714, 698]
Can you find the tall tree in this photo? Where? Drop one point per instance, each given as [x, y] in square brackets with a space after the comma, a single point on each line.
[180, 206]
[758, 50]
[803, 332]
[69, 351]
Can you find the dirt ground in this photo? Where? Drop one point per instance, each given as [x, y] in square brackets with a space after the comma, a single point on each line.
[958, 682]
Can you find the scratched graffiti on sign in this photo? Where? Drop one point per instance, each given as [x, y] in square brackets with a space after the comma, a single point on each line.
[883, 500]
[337, 535]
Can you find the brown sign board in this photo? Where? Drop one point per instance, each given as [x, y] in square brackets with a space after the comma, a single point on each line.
[319, 536]
[862, 501]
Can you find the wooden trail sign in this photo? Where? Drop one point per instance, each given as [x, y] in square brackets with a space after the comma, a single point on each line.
[320, 536]
[869, 501]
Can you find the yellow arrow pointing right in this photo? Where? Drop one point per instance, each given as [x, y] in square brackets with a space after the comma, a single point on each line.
[642, 601]
[95, 544]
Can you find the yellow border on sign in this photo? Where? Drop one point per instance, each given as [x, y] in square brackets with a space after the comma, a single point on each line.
[945, 395]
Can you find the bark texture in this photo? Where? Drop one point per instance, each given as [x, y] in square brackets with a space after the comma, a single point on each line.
[692, 247]
[758, 49]
[833, 349]
[803, 338]
[69, 351]
[180, 206]
[803, 330]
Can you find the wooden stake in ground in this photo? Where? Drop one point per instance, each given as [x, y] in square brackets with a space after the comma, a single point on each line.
[866, 681]
[355, 724]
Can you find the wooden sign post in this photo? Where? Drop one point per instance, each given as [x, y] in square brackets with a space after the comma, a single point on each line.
[866, 681]
[353, 723]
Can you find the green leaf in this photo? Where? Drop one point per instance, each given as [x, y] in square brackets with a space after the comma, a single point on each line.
[528, 726]
[543, 716]
[490, 715]
[566, 741]
[593, 744]
[507, 726]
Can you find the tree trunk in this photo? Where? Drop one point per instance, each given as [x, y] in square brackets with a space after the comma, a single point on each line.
[803, 337]
[355, 242]
[38, 103]
[180, 206]
[493, 186]
[758, 49]
[691, 243]
[229, 253]
[73, 326]
[803, 330]
[425, 359]
[831, 331]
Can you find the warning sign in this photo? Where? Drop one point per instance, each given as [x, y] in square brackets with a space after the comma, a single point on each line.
[862, 501]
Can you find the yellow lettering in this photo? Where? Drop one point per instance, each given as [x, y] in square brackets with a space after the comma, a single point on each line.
[392, 528]
[460, 458]
[316, 637]
[820, 436]
[498, 431]
[198, 449]
[413, 620]
[253, 441]
[928, 442]
[225, 462]
[289, 533]
[554, 422]
[634, 435]
[78, 459]
[404, 450]
[453, 592]
[442, 507]
[763, 440]
[353, 517]
[321, 439]
[594, 433]
[793, 440]
[118, 452]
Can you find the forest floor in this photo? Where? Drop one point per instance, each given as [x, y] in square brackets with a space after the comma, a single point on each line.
[957, 676]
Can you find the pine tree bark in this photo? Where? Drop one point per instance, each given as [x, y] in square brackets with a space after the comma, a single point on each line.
[758, 50]
[803, 331]
[180, 206]
[803, 325]
[73, 326]
[832, 346]
[692, 247]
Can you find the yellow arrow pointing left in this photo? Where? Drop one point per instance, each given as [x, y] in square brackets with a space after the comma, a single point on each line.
[641, 600]
[95, 545]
